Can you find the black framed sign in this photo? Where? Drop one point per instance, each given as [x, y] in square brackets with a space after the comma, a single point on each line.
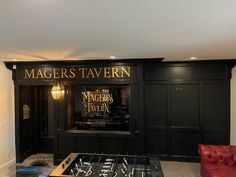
[99, 107]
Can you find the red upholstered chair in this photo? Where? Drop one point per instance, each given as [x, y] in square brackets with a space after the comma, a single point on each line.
[217, 160]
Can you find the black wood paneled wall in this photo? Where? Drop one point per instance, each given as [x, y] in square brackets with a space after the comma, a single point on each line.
[173, 108]
[186, 104]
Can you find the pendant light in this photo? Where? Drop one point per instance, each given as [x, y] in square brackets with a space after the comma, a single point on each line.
[57, 91]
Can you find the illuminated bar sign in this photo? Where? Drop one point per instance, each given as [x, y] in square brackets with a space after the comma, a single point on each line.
[97, 102]
[114, 72]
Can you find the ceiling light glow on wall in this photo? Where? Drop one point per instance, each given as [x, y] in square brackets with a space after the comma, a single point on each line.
[193, 58]
[112, 57]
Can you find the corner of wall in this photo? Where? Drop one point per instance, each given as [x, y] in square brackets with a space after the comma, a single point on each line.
[7, 117]
[233, 108]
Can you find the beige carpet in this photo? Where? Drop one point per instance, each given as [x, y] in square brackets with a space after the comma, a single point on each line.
[45, 157]
[180, 169]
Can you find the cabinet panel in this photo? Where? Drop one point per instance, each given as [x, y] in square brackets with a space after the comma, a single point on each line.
[155, 105]
[87, 144]
[184, 105]
[214, 138]
[184, 143]
[155, 141]
[216, 106]
[111, 145]
[66, 145]
[133, 145]
[166, 72]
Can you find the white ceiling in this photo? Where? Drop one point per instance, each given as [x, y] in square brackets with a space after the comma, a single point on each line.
[97, 29]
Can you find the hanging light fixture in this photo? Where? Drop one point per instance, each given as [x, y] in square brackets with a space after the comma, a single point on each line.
[57, 91]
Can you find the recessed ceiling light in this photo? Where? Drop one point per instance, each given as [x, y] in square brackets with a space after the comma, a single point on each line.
[112, 57]
[193, 58]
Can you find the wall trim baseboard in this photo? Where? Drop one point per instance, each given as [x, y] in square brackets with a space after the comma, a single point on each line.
[7, 164]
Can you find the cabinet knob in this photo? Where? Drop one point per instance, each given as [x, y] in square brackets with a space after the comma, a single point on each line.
[178, 89]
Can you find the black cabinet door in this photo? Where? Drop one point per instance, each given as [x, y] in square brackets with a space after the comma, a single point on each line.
[184, 143]
[155, 105]
[26, 125]
[87, 144]
[184, 119]
[155, 118]
[155, 141]
[184, 105]
[65, 145]
[216, 106]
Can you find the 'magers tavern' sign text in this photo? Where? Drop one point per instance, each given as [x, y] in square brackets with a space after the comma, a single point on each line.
[97, 102]
[78, 72]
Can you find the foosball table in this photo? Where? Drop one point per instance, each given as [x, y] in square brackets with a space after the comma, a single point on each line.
[108, 165]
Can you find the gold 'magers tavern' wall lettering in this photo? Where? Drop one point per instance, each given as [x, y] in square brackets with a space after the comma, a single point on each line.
[49, 73]
[80, 72]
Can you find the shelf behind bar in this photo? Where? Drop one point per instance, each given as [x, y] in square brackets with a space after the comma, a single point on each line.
[99, 133]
